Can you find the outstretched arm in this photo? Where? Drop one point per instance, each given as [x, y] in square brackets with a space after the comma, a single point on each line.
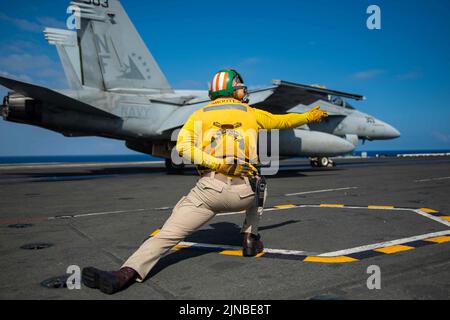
[269, 121]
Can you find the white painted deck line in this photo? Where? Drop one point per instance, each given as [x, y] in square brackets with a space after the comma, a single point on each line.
[319, 191]
[384, 244]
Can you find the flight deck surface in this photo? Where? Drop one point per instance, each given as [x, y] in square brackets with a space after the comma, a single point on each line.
[322, 229]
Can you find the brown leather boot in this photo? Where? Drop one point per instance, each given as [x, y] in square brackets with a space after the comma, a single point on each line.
[108, 281]
[252, 245]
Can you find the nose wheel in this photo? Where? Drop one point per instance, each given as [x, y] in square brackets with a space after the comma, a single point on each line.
[322, 162]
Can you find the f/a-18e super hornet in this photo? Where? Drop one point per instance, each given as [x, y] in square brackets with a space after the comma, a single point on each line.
[118, 91]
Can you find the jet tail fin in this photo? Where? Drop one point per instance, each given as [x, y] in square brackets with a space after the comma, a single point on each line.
[69, 53]
[113, 55]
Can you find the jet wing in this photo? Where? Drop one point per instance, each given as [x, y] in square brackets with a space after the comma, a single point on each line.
[179, 117]
[281, 98]
[287, 95]
[52, 97]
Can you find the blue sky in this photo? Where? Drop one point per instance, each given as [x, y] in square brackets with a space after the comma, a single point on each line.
[403, 69]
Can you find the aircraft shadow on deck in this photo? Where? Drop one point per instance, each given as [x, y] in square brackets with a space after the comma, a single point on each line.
[92, 174]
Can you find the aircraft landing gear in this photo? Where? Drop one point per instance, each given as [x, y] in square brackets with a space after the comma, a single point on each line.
[173, 168]
[322, 162]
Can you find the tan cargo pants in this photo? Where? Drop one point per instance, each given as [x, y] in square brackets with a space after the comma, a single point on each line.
[209, 197]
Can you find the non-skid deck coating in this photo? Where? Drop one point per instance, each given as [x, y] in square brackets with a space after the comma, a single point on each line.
[322, 229]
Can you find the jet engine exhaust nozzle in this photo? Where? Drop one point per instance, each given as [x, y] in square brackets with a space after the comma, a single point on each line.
[22, 109]
[4, 107]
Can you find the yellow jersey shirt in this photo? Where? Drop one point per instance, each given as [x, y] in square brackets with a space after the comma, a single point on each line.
[228, 129]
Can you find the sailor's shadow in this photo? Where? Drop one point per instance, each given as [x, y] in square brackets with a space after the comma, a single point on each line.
[224, 233]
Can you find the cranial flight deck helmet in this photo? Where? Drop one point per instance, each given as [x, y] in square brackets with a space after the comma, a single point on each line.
[222, 85]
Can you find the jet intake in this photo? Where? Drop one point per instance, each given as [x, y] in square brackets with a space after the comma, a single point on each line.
[22, 109]
[140, 146]
[157, 149]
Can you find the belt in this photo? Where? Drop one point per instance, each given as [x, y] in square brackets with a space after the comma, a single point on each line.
[226, 179]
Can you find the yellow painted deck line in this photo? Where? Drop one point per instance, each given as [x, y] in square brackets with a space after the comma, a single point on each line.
[445, 218]
[282, 206]
[338, 259]
[332, 205]
[179, 247]
[238, 253]
[154, 233]
[380, 207]
[428, 210]
[232, 252]
[394, 249]
[439, 239]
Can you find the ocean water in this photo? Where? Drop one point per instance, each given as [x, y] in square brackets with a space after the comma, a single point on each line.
[394, 153]
[144, 158]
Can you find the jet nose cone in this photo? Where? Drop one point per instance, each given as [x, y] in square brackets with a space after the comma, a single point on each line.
[391, 132]
[383, 131]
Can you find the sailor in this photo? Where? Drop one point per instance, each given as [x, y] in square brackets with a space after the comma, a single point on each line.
[221, 139]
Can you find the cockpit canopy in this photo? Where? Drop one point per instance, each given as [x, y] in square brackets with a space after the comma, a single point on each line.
[338, 101]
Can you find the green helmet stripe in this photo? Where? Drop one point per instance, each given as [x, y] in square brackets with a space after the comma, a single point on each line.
[229, 90]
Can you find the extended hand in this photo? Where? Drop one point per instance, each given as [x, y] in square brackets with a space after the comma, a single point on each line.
[316, 115]
[239, 169]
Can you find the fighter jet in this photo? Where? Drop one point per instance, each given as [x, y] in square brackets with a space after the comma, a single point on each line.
[117, 90]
